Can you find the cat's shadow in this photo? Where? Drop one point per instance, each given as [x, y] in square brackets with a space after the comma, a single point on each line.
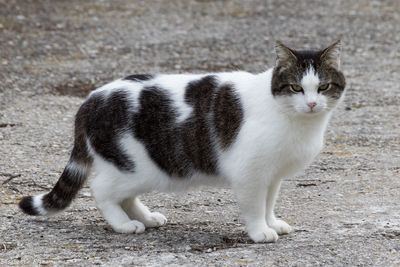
[195, 238]
[173, 237]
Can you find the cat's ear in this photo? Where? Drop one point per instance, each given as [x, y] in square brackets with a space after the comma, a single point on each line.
[284, 55]
[331, 55]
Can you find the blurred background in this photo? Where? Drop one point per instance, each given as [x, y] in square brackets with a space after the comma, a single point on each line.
[71, 47]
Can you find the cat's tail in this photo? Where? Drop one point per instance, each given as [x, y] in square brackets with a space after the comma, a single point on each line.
[70, 181]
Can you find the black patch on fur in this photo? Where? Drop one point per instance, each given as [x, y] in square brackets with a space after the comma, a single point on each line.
[155, 125]
[197, 139]
[182, 148]
[80, 151]
[337, 80]
[307, 58]
[26, 205]
[139, 77]
[228, 115]
[283, 75]
[107, 119]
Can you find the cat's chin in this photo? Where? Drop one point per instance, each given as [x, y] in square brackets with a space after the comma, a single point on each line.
[311, 113]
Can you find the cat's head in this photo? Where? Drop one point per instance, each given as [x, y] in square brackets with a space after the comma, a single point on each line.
[307, 82]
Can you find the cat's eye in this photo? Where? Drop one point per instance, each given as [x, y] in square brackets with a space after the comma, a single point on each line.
[296, 88]
[324, 87]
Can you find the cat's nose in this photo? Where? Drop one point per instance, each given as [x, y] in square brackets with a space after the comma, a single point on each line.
[311, 104]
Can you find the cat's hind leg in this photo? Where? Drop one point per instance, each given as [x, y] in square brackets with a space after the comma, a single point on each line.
[108, 199]
[136, 210]
[118, 219]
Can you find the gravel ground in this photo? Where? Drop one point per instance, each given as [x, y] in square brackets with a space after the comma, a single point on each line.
[344, 208]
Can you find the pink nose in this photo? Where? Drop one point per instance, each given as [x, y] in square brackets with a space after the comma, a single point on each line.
[311, 104]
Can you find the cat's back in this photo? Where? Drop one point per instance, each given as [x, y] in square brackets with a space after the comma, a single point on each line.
[179, 90]
[174, 83]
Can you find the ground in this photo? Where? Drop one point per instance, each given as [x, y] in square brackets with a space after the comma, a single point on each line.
[344, 208]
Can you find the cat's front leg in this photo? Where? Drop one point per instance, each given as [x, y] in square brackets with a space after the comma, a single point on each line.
[280, 226]
[251, 198]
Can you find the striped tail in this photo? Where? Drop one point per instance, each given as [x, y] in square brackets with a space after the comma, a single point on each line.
[70, 181]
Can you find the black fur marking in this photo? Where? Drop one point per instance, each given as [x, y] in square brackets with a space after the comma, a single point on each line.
[228, 115]
[26, 205]
[337, 80]
[179, 149]
[80, 151]
[197, 139]
[308, 58]
[107, 118]
[155, 125]
[139, 77]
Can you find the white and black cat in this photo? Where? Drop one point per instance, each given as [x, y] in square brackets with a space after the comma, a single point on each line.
[170, 132]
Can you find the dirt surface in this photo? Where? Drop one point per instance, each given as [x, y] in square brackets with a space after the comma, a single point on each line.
[344, 209]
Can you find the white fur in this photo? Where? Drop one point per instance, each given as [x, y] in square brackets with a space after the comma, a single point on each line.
[277, 139]
[310, 83]
[37, 204]
[76, 168]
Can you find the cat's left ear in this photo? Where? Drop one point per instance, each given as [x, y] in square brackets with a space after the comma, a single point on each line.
[331, 55]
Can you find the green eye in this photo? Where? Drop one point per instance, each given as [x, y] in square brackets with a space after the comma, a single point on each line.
[296, 88]
[324, 87]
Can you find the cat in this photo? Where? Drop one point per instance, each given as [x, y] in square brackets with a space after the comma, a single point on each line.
[170, 132]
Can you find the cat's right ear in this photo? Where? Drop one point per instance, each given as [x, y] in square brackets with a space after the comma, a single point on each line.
[284, 55]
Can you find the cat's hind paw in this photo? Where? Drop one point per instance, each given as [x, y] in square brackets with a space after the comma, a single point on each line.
[281, 227]
[155, 219]
[131, 227]
[266, 235]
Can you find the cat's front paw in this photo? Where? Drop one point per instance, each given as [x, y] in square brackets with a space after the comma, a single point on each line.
[266, 235]
[131, 227]
[280, 226]
[155, 219]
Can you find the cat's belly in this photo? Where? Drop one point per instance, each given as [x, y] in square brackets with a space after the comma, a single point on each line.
[148, 176]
